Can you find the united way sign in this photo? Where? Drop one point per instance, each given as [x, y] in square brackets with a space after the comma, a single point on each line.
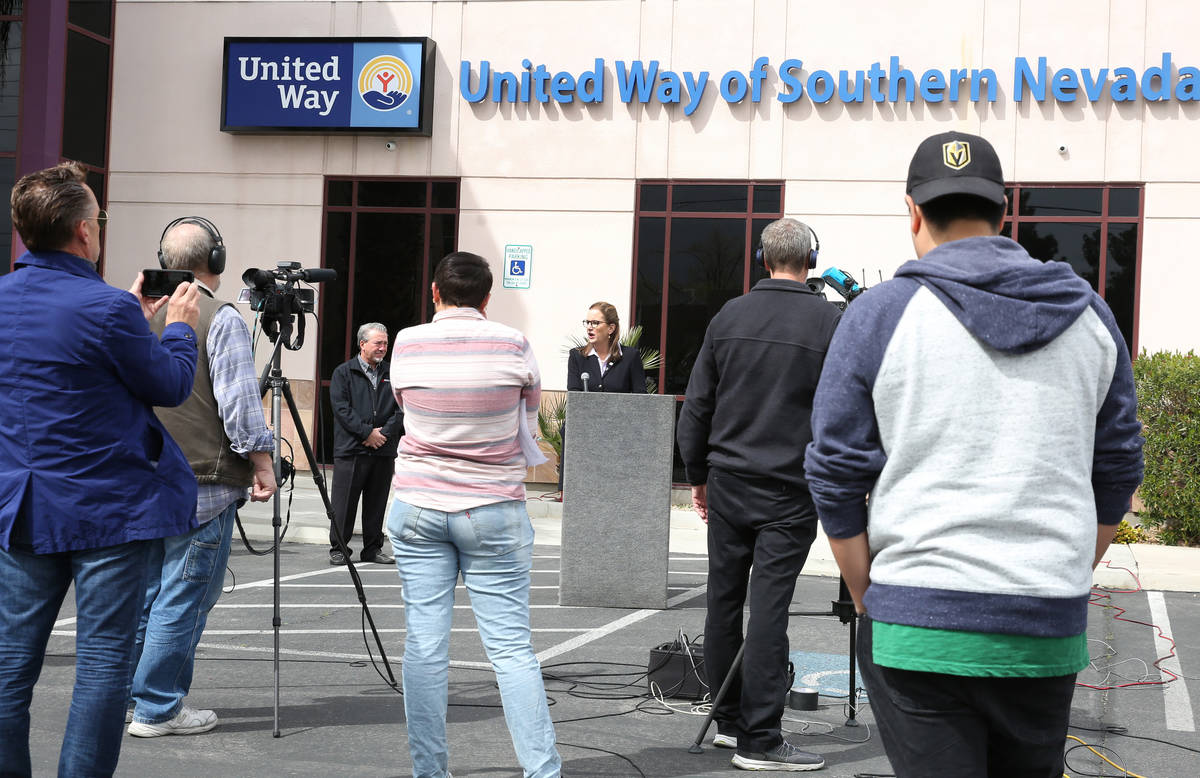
[320, 85]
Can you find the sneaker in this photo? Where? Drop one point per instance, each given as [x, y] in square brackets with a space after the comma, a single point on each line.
[188, 722]
[129, 715]
[724, 741]
[337, 558]
[784, 756]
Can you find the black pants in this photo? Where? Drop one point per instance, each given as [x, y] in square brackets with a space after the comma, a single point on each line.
[951, 725]
[370, 477]
[759, 534]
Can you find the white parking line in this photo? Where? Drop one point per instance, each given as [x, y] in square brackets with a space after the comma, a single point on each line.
[613, 626]
[327, 571]
[356, 631]
[331, 655]
[1175, 694]
[349, 585]
[337, 605]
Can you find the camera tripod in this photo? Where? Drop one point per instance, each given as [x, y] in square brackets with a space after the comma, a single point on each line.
[843, 608]
[274, 381]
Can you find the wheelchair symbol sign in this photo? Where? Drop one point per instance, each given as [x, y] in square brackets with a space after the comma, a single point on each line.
[518, 261]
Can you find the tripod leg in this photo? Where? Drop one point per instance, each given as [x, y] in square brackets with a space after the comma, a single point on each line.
[319, 479]
[851, 721]
[276, 617]
[734, 668]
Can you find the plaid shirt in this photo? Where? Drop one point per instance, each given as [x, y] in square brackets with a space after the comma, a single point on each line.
[239, 403]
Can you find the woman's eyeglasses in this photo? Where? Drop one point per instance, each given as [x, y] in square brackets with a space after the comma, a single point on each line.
[591, 323]
[101, 219]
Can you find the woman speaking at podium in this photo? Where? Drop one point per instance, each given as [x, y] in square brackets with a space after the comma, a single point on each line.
[607, 366]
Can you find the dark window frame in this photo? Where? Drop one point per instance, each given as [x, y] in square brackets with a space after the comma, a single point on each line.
[1013, 219]
[15, 154]
[354, 209]
[108, 41]
[747, 217]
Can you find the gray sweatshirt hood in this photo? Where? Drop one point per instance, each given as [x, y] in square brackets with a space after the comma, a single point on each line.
[1004, 297]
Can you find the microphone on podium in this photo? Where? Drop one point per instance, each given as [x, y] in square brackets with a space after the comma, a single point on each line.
[585, 378]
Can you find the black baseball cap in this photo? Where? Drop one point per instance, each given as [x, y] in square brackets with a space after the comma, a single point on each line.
[955, 163]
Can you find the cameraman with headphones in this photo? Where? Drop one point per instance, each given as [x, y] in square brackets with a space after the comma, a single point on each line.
[223, 432]
[742, 433]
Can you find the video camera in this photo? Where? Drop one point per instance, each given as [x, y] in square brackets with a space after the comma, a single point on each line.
[275, 296]
[842, 282]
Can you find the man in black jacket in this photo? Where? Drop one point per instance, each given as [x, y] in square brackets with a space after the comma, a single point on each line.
[742, 433]
[368, 425]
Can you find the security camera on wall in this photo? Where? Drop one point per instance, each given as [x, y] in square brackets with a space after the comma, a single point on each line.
[391, 145]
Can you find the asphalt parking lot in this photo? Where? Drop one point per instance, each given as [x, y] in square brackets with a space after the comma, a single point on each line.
[338, 715]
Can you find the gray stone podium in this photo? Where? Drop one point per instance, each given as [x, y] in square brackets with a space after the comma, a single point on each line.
[616, 517]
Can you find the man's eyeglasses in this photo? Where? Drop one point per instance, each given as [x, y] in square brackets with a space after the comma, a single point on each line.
[591, 323]
[101, 219]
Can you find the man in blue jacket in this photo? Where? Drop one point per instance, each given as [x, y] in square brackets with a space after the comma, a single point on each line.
[88, 475]
[986, 401]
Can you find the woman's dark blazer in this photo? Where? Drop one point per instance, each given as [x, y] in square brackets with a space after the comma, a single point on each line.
[623, 375]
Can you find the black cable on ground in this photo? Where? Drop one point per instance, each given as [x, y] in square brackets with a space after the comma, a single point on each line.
[1094, 748]
[605, 751]
[1123, 732]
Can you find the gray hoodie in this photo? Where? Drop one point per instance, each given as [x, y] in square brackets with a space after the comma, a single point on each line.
[985, 400]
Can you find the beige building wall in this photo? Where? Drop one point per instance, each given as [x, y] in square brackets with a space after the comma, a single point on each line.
[562, 177]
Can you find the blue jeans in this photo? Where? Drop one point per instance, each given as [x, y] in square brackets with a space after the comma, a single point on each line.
[492, 546]
[109, 584]
[187, 572]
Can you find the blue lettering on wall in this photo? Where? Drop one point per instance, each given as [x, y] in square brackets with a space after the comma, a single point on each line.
[793, 85]
[648, 81]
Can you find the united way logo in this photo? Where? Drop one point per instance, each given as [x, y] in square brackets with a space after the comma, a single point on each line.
[385, 83]
[956, 154]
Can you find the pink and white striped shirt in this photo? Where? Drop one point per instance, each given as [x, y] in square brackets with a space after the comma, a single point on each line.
[461, 380]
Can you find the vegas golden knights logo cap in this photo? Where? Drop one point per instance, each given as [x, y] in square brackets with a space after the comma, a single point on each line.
[955, 163]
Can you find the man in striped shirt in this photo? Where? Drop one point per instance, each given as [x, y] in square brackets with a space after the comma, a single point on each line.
[463, 383]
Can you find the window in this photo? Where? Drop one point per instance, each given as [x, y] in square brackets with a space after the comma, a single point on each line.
[87, 92]
[10, 101]
[694, 247]
[91, 15]
[384, 237]
[693, 251]
[1094, 228]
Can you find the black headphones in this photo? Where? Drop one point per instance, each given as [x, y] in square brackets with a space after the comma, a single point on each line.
[812, 252]
[216, 257]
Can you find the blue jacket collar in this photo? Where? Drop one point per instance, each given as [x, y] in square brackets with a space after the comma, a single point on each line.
[59, 260]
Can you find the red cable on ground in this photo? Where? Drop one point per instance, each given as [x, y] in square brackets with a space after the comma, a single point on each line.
[1097, 598]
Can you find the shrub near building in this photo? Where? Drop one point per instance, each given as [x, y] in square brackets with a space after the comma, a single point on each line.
[1168, 388]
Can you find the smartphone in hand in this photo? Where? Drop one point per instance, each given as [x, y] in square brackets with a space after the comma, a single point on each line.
[162, 283]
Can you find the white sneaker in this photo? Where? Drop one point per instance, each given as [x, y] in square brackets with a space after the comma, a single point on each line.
[187, 722]
[724, 741]
[129, 715]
